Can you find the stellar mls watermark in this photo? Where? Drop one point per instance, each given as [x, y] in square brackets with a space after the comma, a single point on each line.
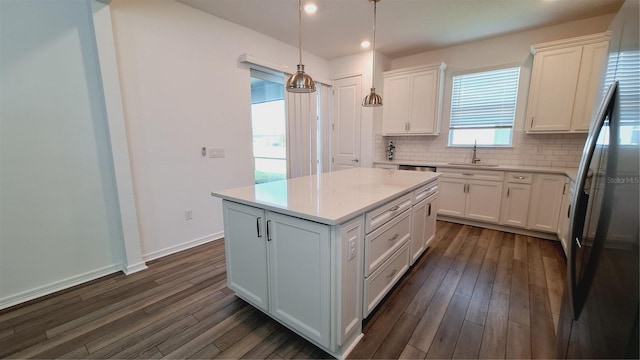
[623, 180]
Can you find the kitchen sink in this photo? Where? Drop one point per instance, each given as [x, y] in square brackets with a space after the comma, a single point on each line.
[469, 164]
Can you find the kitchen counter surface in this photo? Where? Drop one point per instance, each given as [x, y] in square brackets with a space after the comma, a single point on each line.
[569, 172]
[330, 198]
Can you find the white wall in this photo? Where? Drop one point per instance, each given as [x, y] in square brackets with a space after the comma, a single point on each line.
[514, 49]
[183, 89]
[59, 218]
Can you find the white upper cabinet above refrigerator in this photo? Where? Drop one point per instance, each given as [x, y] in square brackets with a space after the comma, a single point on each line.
[564, 83]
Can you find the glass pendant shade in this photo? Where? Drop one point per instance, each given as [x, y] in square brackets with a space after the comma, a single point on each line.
[301, 82]
[372, 99]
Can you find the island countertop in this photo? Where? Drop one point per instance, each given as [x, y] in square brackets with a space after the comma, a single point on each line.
[330, 198]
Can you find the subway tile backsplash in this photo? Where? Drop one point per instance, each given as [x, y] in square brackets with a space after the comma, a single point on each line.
[549, 150]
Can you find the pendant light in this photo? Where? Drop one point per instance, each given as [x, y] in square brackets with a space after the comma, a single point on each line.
[373, 99]
[300, 82]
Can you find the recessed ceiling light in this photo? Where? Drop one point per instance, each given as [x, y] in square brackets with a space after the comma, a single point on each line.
[365, 44]
[310, 8]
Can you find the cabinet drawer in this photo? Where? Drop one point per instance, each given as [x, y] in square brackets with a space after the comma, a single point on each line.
[383, 242]
[472, 174]
[375, 218]
[425, 191]
[379, 283]
[520, 178]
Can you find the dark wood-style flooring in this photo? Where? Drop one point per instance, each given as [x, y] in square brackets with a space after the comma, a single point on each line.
[475, 293]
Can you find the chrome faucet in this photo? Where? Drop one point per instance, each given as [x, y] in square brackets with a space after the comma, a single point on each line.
[474, 158]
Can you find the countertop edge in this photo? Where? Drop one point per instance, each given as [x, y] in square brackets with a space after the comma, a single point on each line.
[571, 173]
[328, 221]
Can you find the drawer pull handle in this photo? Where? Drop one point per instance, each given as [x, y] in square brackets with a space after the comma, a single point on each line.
[268, 232]
[520, 177]
[394, 208]
[258, 226]
[392, 273]
[467, 174]
[393, 238]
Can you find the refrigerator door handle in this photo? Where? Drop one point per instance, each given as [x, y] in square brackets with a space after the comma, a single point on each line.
[581, 198]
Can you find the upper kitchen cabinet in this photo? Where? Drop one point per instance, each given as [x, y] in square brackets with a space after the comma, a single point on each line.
[413, 100]
[564, 83]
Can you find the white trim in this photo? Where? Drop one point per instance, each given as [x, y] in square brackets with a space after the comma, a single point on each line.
[259, 63]
[575, 41]
[130, 269]
[509, 229]
[57, 286]
[110, 84]
[262, 63]
[184, 246]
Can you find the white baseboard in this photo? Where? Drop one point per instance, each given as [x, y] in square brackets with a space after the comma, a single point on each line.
[514, 230]
[57, 286]
[180, 247]
[130, 269]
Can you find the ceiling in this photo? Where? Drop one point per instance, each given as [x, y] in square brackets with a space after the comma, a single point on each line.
[404, 27]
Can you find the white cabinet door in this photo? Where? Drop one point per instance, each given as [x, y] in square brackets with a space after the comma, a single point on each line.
[483, 200]
[546, 198]
[452, 196]
[563, 220]
[299, 275]
[423, 105]
[246, 251]
[515, 204]
[395, 112]
[430, 228]
[591, 66]
[418, 229]
[553, 89]
[413, 100]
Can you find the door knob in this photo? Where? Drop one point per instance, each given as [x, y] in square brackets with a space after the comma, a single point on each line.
[355, 160]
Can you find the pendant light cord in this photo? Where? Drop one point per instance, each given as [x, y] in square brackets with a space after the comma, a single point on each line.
[300, 30]
[373, 70]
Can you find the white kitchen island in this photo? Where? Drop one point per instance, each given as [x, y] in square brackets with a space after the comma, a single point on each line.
[318, 253]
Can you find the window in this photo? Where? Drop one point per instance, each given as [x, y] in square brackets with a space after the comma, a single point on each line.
[483, 107]
[269, 126]
[625, 65]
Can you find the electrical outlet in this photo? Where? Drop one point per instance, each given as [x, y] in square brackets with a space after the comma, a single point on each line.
[216, 153]
[352, 249]
[188, 214]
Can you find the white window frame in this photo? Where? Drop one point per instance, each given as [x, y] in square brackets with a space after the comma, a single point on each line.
[509, 124]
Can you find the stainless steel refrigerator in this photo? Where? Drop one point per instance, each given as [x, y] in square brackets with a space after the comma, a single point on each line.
[599, 315]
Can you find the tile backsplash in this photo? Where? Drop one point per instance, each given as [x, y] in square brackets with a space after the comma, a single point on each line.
[548, 150]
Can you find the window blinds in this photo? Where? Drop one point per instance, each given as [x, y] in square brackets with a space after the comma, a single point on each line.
[626, 70]
[484, 99]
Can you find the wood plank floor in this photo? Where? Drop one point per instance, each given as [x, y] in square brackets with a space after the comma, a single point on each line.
[475, 293]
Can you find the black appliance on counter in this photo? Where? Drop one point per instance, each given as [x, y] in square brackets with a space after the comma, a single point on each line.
[599, 315]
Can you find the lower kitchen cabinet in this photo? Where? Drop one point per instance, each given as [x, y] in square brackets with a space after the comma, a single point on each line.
[299, 274]
[472, 199]
[281, 264]
[453, 196]
[563, 220]
[483, 200]
[515, 204]
[423, 228]
[246, 252]
[546, 198]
